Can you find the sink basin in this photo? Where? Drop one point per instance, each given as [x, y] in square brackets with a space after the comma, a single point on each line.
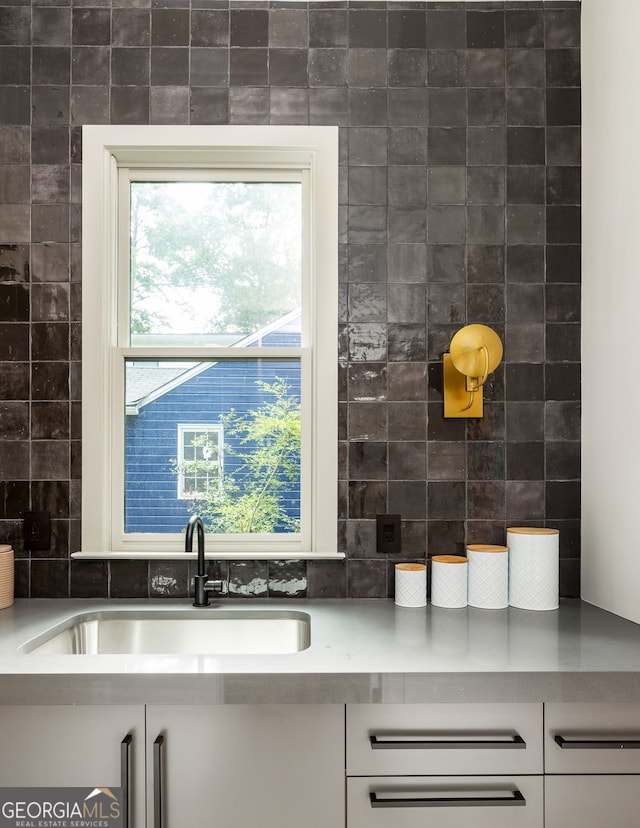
[154, 632]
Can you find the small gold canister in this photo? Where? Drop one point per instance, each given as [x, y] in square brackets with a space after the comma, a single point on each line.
[6, 576]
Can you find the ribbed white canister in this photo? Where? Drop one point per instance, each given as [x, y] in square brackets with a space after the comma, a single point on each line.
[533, 567]
[488, 576]
[449, 581]
[6, 576]
[411, 585]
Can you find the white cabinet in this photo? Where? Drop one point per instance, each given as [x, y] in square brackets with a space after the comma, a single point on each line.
[592, 738]
[591, 801]
[445, 802]
[276, 766]
[283, 766]
[75, 746]
[445, 739]
[592, 765]
[444, 764]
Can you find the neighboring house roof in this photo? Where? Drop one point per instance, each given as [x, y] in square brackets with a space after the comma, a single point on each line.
[143, 380]
[146, 383]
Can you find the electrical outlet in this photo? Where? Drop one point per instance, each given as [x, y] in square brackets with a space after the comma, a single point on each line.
[37, 531]
[388, 534]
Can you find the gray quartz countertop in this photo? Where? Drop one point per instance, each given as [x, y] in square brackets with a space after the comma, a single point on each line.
[361, 651]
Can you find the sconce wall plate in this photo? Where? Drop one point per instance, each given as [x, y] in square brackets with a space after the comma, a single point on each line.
[475, 351]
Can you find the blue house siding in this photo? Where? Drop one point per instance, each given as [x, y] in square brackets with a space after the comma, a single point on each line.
[151, 483]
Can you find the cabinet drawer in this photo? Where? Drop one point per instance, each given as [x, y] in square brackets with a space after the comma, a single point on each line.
[583, 801]
[592, 738]
[443, 739]
[445, 802]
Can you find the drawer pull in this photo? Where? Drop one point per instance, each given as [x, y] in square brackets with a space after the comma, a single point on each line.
[515, 742]
[595, 744]
[515, 798]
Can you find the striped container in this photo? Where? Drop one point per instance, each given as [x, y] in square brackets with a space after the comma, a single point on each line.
[6, 576]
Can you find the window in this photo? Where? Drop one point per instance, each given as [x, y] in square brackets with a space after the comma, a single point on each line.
[210, 318]
[199, 465]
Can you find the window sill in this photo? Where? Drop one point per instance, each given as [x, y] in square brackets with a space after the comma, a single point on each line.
[218, 556]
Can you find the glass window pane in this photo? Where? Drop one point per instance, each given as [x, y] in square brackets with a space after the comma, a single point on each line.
[221, 439]
[200, 459]
[215, 262]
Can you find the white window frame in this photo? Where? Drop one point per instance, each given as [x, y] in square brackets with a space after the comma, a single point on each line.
[200, 428]
[106, 151]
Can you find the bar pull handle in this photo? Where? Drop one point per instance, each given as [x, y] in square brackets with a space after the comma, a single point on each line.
[597, 744]
[125, 776]
[515, 742]
[158, 750]
[514, 798]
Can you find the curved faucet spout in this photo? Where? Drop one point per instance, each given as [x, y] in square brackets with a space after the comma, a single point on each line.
[195, 521]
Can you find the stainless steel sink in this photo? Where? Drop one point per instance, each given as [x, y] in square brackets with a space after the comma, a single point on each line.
[154, 632]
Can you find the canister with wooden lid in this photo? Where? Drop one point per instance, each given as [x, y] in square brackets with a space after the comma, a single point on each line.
[411, 585]
[449, 581]
[488, 576]
[533, 567]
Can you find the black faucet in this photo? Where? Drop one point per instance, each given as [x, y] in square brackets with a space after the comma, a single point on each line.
[201, 583]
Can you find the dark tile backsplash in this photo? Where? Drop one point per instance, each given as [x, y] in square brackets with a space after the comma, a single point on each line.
[460, 203]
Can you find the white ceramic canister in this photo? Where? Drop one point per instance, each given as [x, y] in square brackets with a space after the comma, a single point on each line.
[6, 576]
[449, 581]
[411, 585]
[488, 576]
[534, 554]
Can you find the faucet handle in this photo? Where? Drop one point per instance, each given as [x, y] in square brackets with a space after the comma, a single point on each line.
[217, 585]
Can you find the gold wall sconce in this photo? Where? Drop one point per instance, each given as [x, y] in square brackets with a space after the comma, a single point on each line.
[475, 351]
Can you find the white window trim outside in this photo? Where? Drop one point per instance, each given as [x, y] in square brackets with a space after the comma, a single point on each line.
[106, 150]
[200, 428]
